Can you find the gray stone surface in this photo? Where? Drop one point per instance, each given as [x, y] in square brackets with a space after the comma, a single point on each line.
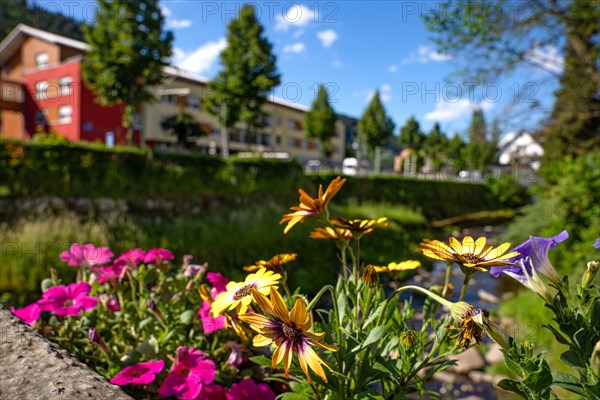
[31, 367]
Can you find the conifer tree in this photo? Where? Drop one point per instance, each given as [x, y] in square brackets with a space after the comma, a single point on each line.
[248, 74]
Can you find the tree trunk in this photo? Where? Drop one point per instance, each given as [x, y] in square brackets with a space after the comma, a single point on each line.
[224, 132]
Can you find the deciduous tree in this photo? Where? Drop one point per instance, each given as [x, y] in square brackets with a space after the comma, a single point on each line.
[319, 122]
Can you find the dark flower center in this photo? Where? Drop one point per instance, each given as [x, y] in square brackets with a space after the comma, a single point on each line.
[185, 371]
[243, 292]
[137, 374]
[292, 333]
[472, 259]
[68, 303]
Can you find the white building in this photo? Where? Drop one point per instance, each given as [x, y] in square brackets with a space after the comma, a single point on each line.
[520, 148]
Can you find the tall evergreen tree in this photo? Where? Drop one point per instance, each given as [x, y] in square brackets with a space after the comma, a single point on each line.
[411, 134]
[434, 145]
[375, 127]
[477, 140]
[129, 48]
[456, 153]
[319, 122]
[248, 74]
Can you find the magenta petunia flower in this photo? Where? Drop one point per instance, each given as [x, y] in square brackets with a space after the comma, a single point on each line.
[111, 273]
[157, 256]
[86, 255]
[28, 314]
[189, 375]
[110, 302]
[212, 392]
[248, 390]
[68, 300]
[209, 323]
[218, 281]
[139, 374]
[131, 257]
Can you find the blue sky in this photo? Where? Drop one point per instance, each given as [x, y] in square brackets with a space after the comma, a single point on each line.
[355, 47]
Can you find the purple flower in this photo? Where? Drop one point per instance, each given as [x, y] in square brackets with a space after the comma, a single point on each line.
[110, 302]
[597, 244]
[529, 278]
[139, 374]
[248, 390]
[157, 256]
[131, 257]
[536, 249]
[68, 300]
[28, 314]
[188, 376]
[86, 255]
[191, 270]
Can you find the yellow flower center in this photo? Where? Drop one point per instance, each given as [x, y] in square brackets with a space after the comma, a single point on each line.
[292, 333]
[243, 292]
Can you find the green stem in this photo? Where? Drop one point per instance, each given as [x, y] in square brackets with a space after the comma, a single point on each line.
[442, 301]
[463, 291]
[318, 296]
[447, 280]
[344, 262]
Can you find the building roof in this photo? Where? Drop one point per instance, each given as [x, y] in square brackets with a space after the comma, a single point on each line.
[13, 41]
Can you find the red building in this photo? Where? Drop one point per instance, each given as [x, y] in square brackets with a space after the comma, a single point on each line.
[42, 89]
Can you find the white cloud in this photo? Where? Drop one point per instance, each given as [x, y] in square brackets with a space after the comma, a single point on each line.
[546, 57]
[201, 59]
[173, 23]
[393, 68]
[327, 37]
[425, 54]
[296, 15]
[449, 111]
[295, 48]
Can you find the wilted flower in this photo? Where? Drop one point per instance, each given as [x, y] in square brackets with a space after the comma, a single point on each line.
[360, 227]
[28, 314]
[157, 256]
[398, 267]
[469, 330]
[274, 264]
[142, 373]
[471, 255]
[328, 233]
[248, 390]
[370, 277]
[310, 207]
[68, 300]
[239, 294]
[191, 371]
[535, 248]
[86, 255]
[289, 332]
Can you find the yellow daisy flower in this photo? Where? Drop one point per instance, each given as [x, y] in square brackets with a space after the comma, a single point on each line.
[239, 294]
[289, 332]
[397, 267]
[360, 226]
[274, 264]
[310, 207]
[328, 233]
[470, 254]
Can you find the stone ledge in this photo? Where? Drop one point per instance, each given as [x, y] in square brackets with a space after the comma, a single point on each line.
[32, 367]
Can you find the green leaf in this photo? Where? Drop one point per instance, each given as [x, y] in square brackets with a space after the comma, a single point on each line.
[539, 379]
[148, 347]
[512, 386]
[262, 360]
[559, 337]
[145, 322]
[568, 382]
[342, 303]
[570, 357]
[376, 334]
[187, 317]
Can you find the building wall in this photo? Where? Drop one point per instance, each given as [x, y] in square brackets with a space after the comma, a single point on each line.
[12, 125]
[33, 46]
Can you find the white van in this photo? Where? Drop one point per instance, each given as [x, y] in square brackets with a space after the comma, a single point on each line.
[350, 166]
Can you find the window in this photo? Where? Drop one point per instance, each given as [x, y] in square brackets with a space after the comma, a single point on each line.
[40, 117]
[64, 114]
[41, 90]
[193, 102]
[41, 59]
[65, 85]
[291, 124]
[291, 142]
[278, 140]
[169, 99]
[278, 121]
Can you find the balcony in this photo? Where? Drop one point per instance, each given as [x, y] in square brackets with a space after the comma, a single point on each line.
[11, 95]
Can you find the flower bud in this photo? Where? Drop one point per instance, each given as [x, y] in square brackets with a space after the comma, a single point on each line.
[152, 306]
[94, 337]
[595, 359]
[409, 339]
[590, 274]
[370, 276]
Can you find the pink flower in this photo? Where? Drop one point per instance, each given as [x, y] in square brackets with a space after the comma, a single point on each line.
[218, 281]
[157, 256]
[212, 392]
[139, 374]
[110, 273]
[28, 314]
[235, 358]
[110, 302]
[248, 390]
[210, 324]
[86, 255]
[68, 300]
[131, 257]
[189, 375]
